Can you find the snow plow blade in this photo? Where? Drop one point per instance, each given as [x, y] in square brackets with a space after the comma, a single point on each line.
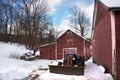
[69, 70]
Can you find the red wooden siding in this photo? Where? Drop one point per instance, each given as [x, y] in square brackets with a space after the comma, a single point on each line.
[87, 49]
[117, 28]
[77, 42]
[101, 42]
[68, 42]
[47, 52]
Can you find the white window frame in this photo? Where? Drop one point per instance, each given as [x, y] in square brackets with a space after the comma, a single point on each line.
[70, 40]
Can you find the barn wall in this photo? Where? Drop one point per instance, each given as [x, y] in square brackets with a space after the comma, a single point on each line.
[47, 52]
[101, 42]
[77, 43]
[117, 28]
[87, 49]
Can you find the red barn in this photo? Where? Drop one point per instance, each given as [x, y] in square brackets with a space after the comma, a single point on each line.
[68, 42]
[106, 35]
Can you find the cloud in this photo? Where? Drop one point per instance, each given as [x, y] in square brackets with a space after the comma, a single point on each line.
[88, 10]
[53, 5]
[64, 25]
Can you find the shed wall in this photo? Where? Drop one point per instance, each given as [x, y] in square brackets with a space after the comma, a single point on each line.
[47, 52]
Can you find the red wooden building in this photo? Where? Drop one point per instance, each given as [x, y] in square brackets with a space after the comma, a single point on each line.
[68, 42]
[106, 35]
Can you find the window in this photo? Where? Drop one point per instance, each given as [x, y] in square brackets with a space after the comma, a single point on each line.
[70, 42]
[69, 33]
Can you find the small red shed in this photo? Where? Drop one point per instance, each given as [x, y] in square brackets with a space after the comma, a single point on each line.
[47, 51]
[106, 35]
[67, 42]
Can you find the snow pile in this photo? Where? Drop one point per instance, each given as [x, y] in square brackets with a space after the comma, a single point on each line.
[37, 53]
[94, 72]
[89, 60]
[6, 49]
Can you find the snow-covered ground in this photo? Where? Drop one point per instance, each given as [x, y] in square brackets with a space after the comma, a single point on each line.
[91, 72]
[11, 68]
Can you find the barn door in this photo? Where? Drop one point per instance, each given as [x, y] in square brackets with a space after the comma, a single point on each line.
[69, 50]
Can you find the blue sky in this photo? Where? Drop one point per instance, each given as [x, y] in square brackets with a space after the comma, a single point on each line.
[61, 9]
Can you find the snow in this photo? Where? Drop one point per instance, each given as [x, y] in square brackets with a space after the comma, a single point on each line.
[7, 49]
[91, 72]
[53, 76]
[111, 3]
[37, 53]
[13, 74]
[11, 68]
[94, 72]
[72, 29]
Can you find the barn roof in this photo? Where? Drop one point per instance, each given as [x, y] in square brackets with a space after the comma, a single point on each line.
[111, 4]
[74, 31]
[47, 44]
[63, 32]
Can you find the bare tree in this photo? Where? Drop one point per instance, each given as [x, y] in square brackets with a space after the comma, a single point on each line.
[51, 36]
[7, 17]
[17, 27]
[1, 16]
[11, 11]
[33, 20]
[80, 20]
[29, 17]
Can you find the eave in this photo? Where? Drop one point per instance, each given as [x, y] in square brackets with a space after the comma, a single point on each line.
[114, 8]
